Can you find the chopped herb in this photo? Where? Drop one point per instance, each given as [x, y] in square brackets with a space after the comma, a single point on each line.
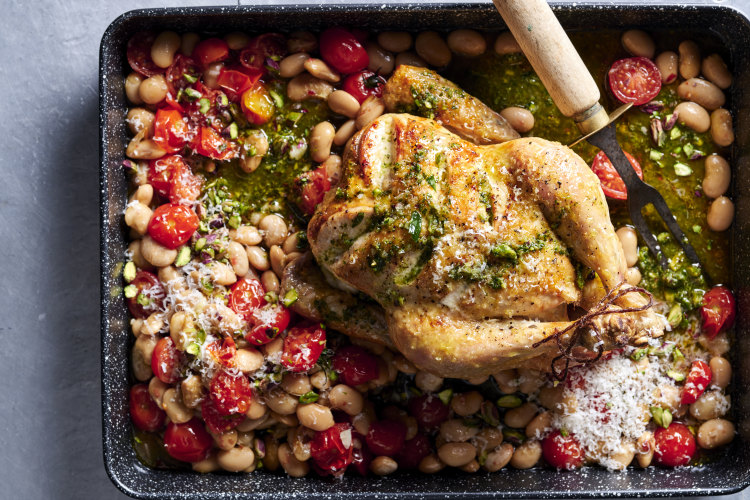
[504, 251]
[431, 181]
[415, 226]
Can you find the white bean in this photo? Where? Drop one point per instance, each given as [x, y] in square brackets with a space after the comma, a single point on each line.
[527, 455]
[274, 229]
[395, 41]
[321, 137]
[519, 118]
[693, 115]
[175, 410]
[249, 360]
[140, 148]
[343, 103]
[211, 75]
[717, 176]
[710, 405]
[371, 108]
[156, 389]
[457, 454]
[164, 48]
[629, 241]
[289, 462]
[382, 466]
[302, 41]
[467, 403]
[668, 64]
[467, 42]
[715, 433]
[721, 371]
[137, 217]
[432, 48]
[246, 235]
[722, 131]
[306, 86]
[319, 69]
[702, 92]
[431, 464]
[237, 40]
[348, 399]
[520, 417]
[258, 258]
[153, 89]
[381, 60]
[296, 384]
[156, 254]
[188, 42]
[539, 425]
[139, 119]
[236, 459]
[427, 381]
[410, 58]
[292, 65]
[499, 458]
[270, 281]
[720, 214]
[132, 86]
[715, 69]
[345, 132]
[192, 391]
[278, 259]
[638, 43]
[690, 59]
[314, 416]
[506, 43]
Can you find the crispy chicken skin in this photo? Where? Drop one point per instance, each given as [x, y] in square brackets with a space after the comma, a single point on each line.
[466, 247]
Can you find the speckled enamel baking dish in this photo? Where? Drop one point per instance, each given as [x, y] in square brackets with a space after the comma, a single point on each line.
[729, 473]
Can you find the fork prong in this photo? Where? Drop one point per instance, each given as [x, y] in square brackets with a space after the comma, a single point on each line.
[639, 222]
[661, 207]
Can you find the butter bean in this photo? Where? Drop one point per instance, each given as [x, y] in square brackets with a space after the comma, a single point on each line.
[629, 241]
[690, 59]
[370, 109]
[702, 92]
[156, 389]
[249, 360]
[211, 75]
[410, 58]
[717, 176]
[132, 86]
[139, 119]
[343, 103]
[164, 48]
[246, 235]
[457, 454]
[432, 48]
[693, 115]
[348, 399]
[274, 229]
[345, 132]
[140, 357]
[319, 69]
[137, 217]
[289, 462]
[527, 455]
[710, 405]
[520, 417]
[174, 408]
[668, 64]
[157, 254]
[292, 65]
[722, 131]
[431, 464]
[306, 86]
[505, 43]
[314, 416]
[188, 42]
[519, 118]
[715, 433]
[467, 42]
[235, 459]
[192, 391]
[721, 371]
[395, 41]
[499, 458]
[237, 40]
[427, 381]
[715, 70]
[382, 466]
[302, 41]
[638, 43]
[382, 61]
[467, 403]
[321, 137]
[270, 281]
[258, 258]
[153, 89]
[720, 214]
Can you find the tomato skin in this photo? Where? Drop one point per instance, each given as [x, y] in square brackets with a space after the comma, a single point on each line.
[235, 82]
[231, 394]
[147, 282]
[562, 452]
[171, 132]
[303, 346]
[340, 49]
[355, 365]
[363, 85]
[215, 421]
[246, 295]
[223, 352]
[612, 184]
[189, 442]
[165, 361]
[429, 411]
[313, 187]
[139, 54]
[331, 449]
[144, 412]
[210, 50]
[413, 451]
[209, 143]
[386, 437]
[634, 79]
[257, 104]
[172, 178]
[674, 446]
[718, 311]
[268, 322]
[697, 381]
[173, 225]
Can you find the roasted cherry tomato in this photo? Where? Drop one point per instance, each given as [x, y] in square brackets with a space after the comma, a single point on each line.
[267, 323]
[172, 178]
[217, 422]
[232, 394]
[386, 437]
[260, 49]
[172, 225]
[302, 347]
[429, 411]
[674, 446]
[331, 449]
[718, 311]
[257, 104]
[210, 50]
[146, 415]
[181, 74]
[188, 442]
[697, 381]
[223, 351]
[149, 294]
[562, 452]
[171, 132]
[343, 51]
[235, 83]
[139, 54]
[363, 85]
[413, 451]
[612, 183]
[209, 143]
[165, 361]
[635, 79]
[313, 186]
[361, 456]
[355, 365]
[246, 296]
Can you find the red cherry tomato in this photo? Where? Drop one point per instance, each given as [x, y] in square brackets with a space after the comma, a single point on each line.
[235, 82]
[232, 394]
[697, 381]
[612, 183]
[363, 85]
[139, 54]
[674, 446]
[413, 451]
[361, 456]
[635, 79]
[217, 422]
[429, 411]
[209, 143]
[718, 311]
[146, 415]
[210, 50]
[302, 347]
[165, 361]
[313, 187]
[355, 365]
[331, 449]
[172, 178]
[386, 437]
[343, 51]
[171, 132]
[262, 47]
[223, 352]
[562, 452]
[181, 67]
[246, 296]
[188, 442]
[149, 296]
[173, 225]
[268, 322]
[257, 104]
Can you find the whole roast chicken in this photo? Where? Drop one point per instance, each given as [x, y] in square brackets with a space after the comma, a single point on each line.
[471, 251]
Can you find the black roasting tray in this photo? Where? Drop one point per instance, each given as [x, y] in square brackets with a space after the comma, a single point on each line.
[728, 473]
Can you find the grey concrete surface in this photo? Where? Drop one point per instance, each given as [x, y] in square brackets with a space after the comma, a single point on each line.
[50, 420]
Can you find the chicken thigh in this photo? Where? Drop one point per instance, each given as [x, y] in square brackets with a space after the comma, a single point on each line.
[466, 247]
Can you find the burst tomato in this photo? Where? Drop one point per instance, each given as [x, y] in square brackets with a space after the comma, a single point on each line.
[429, 411]
[313, 187]
[171, 132]
[302, 347]
[223, 351]
[635, 79]
[165, 361]
[386, 437]
[210, 50]
[562, 452]
[331, 449]
[612, 183]
[246, 296]
[718, 311]
[139, 54]
[172, 178]
[355, 365]
[361, 456]
[188, 442]
[235, 82]
[173, 225]
[146, 415]
[261, 48]
[231, 394]
[674, 446]
[149, 295]
[179, 74]
[267, 323]
[697, 381]
[340, 49]
[209, 143]
[413, 451]
[363, 85]
[217, 422]
[257, 104]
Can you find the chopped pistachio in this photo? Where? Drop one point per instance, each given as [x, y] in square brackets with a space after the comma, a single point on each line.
[309, 397]
[682, 170]
[676, 375]
[290, 297]
[446, 396]
[193, 348]
[130, 291]
[129, 271]
[190, 78]
[675, 316]
[192, 94]
[509, 401]
[655, 155]
[183, 256]
[675, 133]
